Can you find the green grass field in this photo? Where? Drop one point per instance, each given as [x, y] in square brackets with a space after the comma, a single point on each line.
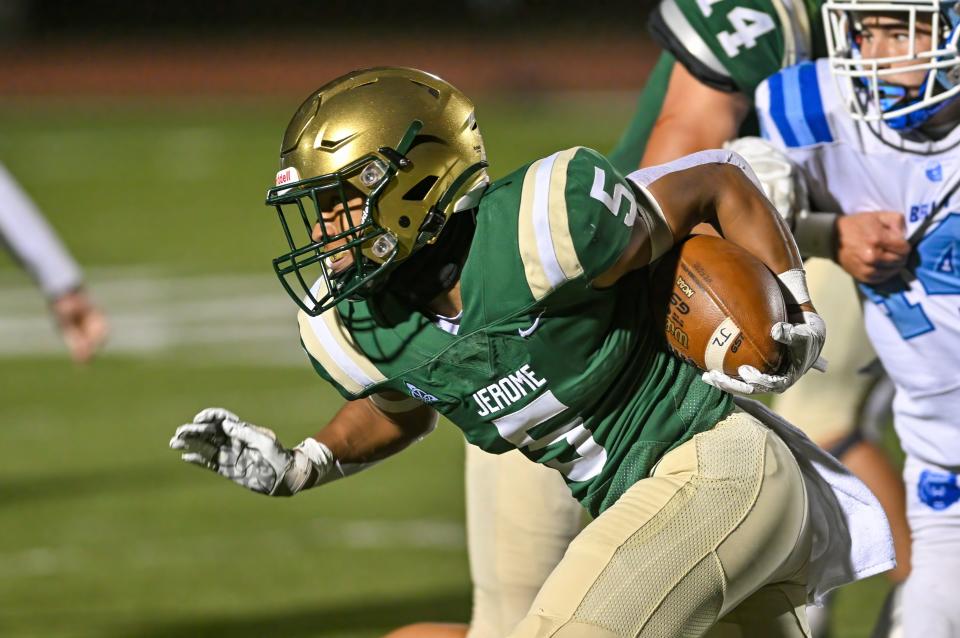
[103, 531]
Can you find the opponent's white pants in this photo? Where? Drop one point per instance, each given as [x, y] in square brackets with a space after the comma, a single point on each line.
[931, 595]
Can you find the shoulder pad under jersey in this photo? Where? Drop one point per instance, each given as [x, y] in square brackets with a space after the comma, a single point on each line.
[800, 106]
[732, 45]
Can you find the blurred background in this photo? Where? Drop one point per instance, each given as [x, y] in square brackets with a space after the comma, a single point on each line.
[148, 133]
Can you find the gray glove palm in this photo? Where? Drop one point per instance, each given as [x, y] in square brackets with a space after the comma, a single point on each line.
[246, 454]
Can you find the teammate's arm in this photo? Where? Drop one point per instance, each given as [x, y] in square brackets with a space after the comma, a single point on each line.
[35, 245]
[693, 117]
[362, 432]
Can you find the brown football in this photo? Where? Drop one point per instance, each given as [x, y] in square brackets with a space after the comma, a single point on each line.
[717, 303]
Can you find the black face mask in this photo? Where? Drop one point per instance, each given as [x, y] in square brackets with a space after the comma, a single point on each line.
[435, 268]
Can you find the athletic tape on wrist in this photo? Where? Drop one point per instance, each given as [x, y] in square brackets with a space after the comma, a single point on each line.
[296, 477]
[312, 465]
[318, 453]
[794, 282]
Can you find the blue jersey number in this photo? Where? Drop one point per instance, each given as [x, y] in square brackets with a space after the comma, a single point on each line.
[939, 272]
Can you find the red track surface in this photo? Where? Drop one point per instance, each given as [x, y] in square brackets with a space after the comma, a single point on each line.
[253, 67]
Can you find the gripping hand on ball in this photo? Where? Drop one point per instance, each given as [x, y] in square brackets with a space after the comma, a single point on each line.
[804, 341]
[249, 455]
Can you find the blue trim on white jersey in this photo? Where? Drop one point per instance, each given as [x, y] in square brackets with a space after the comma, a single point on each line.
[796, 106]
[813, 103]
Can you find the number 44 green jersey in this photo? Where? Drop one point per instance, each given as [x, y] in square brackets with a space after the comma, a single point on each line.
[577, 378]
[730, 45]
[734, 45]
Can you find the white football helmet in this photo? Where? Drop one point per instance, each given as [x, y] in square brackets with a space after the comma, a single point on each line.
[876, 98]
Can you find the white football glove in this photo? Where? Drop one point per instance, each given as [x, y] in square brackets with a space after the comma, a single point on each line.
[804, 341]
[249, 455]
[779, 179]
[804, 337]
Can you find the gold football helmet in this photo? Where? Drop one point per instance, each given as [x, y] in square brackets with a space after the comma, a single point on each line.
[403, 141]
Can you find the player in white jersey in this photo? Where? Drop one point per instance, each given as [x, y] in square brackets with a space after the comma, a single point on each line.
[881, 146]
[35, 245]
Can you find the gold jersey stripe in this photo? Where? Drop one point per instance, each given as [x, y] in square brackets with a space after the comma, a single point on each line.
[546, 247]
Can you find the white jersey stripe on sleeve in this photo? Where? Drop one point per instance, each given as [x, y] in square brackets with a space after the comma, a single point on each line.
[526, 236]
[563, 247]
[549, 260]
[546, 247]
[687, 34]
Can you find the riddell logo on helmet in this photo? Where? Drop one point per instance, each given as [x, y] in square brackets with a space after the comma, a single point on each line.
[287, 176]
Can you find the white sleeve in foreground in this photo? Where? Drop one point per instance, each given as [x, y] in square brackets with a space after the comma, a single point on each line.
[33, 242]
[661, 237]
[646, 176]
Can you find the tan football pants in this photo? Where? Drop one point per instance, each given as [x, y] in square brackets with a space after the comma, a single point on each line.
[521, 517]
[716, 537]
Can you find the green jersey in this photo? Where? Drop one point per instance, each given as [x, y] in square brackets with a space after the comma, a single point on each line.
[730, 45]
[577, 378]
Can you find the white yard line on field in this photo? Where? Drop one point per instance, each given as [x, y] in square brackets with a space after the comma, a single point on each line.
[156, 314]
[329, 534]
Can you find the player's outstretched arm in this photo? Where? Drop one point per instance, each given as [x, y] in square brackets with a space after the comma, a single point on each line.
[360, 434]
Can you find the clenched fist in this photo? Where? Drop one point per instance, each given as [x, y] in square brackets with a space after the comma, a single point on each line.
[872, 247]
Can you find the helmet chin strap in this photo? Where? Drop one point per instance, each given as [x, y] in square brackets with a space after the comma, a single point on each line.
[435, 268]
[893, 96]
[471, 198]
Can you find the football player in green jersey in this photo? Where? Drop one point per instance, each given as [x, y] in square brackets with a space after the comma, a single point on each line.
[725, 48]
[518, 310]
[700, 103]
